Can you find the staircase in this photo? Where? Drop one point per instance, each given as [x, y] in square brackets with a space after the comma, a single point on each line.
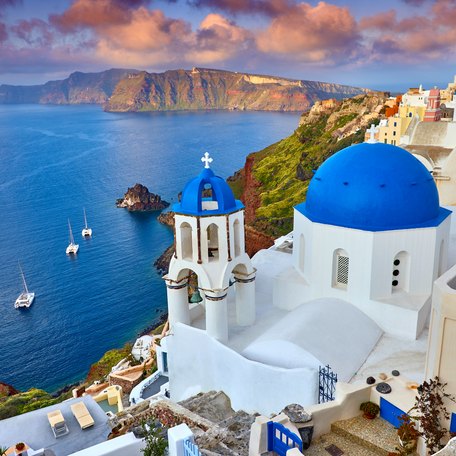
[356, 437]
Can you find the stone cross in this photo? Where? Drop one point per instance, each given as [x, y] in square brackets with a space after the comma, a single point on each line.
[372, 130]
[206, 160]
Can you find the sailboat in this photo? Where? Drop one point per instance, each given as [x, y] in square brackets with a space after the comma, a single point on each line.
[25, 299]
[72, 247]
[86, 231]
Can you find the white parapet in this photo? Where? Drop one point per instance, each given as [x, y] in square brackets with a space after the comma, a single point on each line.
[176, 438]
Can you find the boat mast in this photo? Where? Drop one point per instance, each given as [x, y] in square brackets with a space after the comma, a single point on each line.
[23, 278]
[85, 218]
[71, 233]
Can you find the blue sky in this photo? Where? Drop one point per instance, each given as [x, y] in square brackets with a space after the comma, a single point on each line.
[387, 45]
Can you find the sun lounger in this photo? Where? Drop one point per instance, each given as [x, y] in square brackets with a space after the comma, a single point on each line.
[57, 423]
[82, 415]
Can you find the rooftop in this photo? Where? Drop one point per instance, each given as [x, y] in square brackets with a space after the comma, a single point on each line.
[33, 428]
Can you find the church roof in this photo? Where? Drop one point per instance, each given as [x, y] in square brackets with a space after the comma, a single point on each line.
[373, 187]
[221, 202]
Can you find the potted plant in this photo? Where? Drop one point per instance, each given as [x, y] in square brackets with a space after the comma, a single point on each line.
[407, 433]
[20, 449]
[370, 409]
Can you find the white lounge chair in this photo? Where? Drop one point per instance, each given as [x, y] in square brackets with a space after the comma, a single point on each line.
[82, 415]
[57, 423]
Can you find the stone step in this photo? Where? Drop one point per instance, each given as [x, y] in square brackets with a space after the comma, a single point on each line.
[333, 444]
[377, 435]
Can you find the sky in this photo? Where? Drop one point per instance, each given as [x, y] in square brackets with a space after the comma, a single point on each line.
[384, 45]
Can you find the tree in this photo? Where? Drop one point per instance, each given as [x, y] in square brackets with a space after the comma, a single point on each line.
[3, 450]
[431, 411]
[156, 445]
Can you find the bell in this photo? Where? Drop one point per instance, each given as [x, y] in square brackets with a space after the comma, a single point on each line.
[196, 297]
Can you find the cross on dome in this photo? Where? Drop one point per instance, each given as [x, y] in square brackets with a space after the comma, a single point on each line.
[372, 130]
[206, 160]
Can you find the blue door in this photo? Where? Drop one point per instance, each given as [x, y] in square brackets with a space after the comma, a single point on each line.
[390, 412]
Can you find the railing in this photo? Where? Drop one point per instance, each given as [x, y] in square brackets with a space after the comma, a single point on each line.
[281, 439]
[327, 385]
[190, 449]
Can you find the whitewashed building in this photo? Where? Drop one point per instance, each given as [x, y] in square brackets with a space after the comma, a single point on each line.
[367, 245]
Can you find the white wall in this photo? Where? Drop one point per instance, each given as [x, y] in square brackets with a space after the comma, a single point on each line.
[124, 445]
[252, 386]
[371, 267]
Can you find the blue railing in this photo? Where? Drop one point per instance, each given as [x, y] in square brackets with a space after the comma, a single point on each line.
[281, 439]
[190, 449]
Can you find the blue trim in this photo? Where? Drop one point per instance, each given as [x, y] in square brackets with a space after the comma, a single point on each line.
[443, 214]
[390, 412]
[453, 423]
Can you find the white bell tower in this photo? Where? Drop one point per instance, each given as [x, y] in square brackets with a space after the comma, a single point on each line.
[209, 240]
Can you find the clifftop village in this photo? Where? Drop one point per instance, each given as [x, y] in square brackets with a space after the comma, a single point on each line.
[338, 339]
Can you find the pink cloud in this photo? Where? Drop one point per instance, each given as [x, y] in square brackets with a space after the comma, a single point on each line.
[320, 33]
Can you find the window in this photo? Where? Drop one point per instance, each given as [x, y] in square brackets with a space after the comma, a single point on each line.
[399, 280]
[341, 263]
[395, 124]
[212, 242]
[237, 238]
[394, 133]
[186, 239]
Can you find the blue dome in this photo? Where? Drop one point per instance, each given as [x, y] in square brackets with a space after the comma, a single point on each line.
[373, 187]
[221, 202]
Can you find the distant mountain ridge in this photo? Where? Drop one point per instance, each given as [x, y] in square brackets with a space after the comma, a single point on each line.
[122, 90]
[202, 88]
[78, 88]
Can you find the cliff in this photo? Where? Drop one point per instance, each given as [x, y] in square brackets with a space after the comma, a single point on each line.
[78, 88]
[216, 89]
[138, 198]
[276, 178]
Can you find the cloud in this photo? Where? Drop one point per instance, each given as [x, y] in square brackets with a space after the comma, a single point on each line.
[99, 13]
[5, 3]
[323, 33]
[3, 33]
[413, 39]
[34, 32]
[414, 2]
[268, 7]
[218, 39]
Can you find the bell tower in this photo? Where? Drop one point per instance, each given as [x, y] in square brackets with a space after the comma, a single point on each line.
[209, 241]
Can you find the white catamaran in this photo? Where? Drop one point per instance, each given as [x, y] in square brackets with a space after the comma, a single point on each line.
[86, 231]
[25, 299]
[72, 247]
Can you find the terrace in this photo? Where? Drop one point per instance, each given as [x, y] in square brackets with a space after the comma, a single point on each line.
[33, 428]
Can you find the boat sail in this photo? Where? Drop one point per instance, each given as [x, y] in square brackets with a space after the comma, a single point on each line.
[86, 231]
[25, 299]
[72, 247]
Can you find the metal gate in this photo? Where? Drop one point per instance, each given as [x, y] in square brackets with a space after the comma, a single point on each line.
[327, 380]
[281, 439]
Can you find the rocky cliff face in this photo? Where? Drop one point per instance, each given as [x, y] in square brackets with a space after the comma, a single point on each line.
[215, 89]
[7, 390]
[138, 198]
[78, 88]
[275, 179]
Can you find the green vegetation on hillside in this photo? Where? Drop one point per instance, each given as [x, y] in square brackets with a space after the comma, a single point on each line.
[283, 170]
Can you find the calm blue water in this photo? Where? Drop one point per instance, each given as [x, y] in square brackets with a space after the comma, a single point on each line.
[53, 162]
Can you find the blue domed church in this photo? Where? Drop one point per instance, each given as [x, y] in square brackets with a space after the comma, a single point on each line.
[367, 245]
[372, 232]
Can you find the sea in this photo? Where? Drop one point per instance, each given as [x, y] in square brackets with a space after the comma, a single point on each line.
[57, 160]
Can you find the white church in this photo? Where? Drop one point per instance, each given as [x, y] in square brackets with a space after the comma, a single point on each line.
[355, 275]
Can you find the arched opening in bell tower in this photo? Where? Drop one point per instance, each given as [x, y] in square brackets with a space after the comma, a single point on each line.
[212, 242]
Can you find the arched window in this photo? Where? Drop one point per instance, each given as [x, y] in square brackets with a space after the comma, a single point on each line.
[341, 266]
[212, 242]
[301, 252]
[186, 241]
[237, 237]
[400, 278]
[208, 200]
